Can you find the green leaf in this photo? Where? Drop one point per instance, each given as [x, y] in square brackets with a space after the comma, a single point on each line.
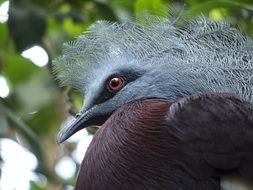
[3, 122]
[35, 186]
[72, 28]
[217, 14]
[36, 92]
[65, 8]
[207, 6]
[46, 122]
[4, 34]
[155, 7]
[18, 69]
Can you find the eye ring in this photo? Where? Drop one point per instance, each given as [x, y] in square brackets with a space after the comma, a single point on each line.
[115, 83]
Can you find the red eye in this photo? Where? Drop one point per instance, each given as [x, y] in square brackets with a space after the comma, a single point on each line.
[115, 84]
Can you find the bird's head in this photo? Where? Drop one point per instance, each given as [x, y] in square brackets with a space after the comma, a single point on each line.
[112, 64]
[106, 83]
[107, 88]
[115, 63]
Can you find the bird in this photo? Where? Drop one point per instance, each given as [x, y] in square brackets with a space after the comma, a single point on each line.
[173, 99]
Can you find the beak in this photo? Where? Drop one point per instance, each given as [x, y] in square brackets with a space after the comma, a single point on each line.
[82, 120]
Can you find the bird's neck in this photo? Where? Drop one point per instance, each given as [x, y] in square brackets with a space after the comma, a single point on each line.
[133, 150]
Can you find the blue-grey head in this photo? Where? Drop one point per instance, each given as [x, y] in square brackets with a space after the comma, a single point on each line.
[115, 63]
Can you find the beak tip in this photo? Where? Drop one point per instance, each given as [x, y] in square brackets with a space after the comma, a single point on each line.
[59, 140]
[72, 127]
[61, 137]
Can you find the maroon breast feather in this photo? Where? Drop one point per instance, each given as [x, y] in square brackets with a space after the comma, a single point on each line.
[156, 144]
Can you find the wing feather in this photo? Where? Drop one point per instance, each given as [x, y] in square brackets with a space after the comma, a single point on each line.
[217, 133]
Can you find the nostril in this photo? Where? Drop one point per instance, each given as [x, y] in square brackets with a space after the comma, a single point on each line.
[77, 115]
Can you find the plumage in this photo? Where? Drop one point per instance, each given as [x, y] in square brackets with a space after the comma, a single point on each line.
[212, 56]
[161, 92]
[153, 144]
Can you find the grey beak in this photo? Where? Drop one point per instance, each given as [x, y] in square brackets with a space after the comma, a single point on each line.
[82, 120]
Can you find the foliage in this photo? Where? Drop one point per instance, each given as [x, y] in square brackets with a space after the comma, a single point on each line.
[36, 105]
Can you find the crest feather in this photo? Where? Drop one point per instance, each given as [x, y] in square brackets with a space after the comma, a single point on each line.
[215, 51]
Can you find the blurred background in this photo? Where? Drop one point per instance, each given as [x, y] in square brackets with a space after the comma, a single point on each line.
[32, 105]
